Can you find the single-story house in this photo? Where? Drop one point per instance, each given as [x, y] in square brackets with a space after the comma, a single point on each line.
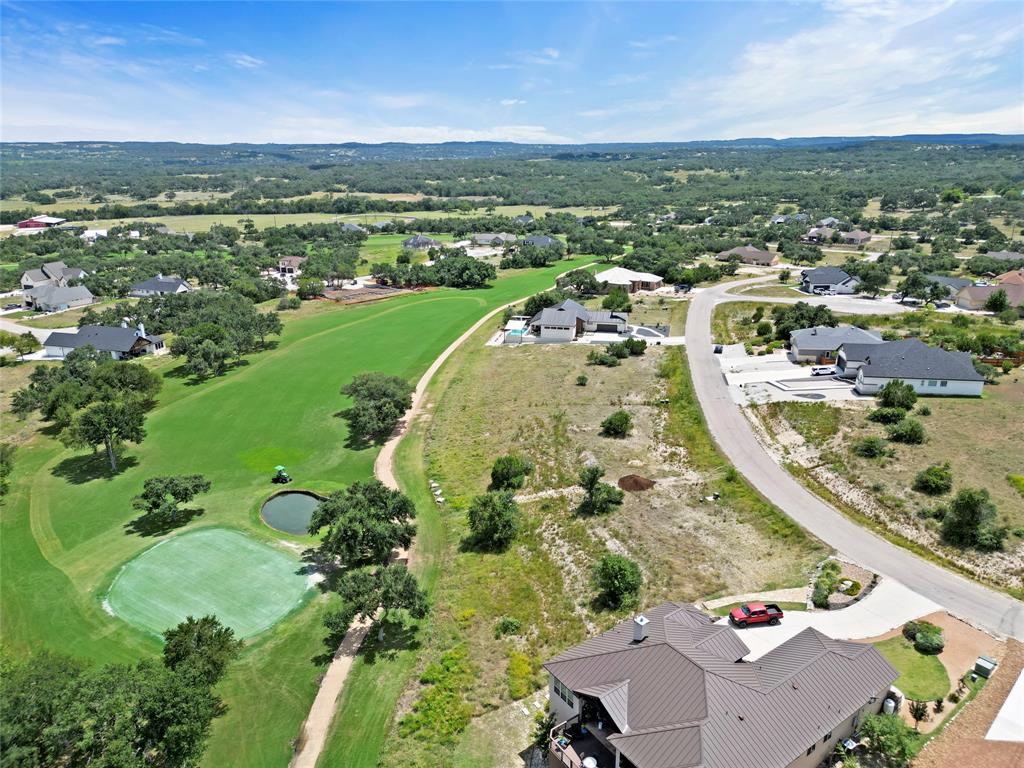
[856, 237]
[1005, 255]
[290, 265]
[524, 219]
[828, 221]
[929, 370]
[953, 284]
[828, 278]
[670, 689]
[821, 341]
[51, 273]
[666, 217]
[121, 343]
[1015, 277]
[539, 241]
[748, 254]
[50, 297]
[420, 242]
[819, 235]
[380, 225]
[786, 218]
[92, 235]
[496, 239]
[160, 286]
[567, 320]
[40, 222]
[975, 296]
[619, 277]
[349, 227]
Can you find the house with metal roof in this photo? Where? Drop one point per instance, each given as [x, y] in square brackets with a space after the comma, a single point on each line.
[749, 254]
[350, 227]
[539, 241]
[1013, 277]
[49, 297]
[821, 341]
[670, 689]
[952, 284]
[121, 343]
[929, 370]
[420, 242]
[568, 320]
[828, 221]
[159, 286]
[828, 279]
[630, 281]
[976, 296]
[51, 273]
[40, 222]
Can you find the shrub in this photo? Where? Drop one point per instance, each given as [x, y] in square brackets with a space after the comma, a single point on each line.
[826, 583]
[289, 302]
[597, 357]
[887, 415]
[764, 328]
[938, 705]
[897, 394]
[510, 472]
[494, 519]
[618, 349]
[617, 580]
[970, 521]
[953, 698]
[506, 625]
[617, 424]
[581, 380]
[909, 431]
[912, 629]
[870, 447]
[635, 347]
[924, 410]
[600, 497]
[929, 643]
[934, 480]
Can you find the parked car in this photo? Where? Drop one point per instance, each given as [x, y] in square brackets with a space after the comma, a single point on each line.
[11, 306]
[718, 349]
[823, 370]
[755, 613]
[824, 292]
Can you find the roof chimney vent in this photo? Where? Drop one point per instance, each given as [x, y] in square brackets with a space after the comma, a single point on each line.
[640, 628]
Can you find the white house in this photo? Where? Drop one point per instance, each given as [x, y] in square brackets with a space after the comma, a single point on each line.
[619, 277]
[92, 235]
[929, 370]
[51, 273]
[121, 343]
[160, 286]
[828, 279]
[567, 320]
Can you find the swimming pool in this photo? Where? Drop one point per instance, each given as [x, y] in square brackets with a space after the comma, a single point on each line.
[516, 332]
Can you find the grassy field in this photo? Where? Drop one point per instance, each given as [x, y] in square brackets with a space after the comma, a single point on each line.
[63, 536]
[483, 401]
[67, 319]
[922, 677]
[386, 248]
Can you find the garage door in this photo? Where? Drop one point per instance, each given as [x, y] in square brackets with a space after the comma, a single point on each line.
[607, 328]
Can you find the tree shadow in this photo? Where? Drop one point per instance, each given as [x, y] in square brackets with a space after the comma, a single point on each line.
[79, 470]
[155, 524]
[357, 442]
[478, 545]
[180, 372]
[397, 638]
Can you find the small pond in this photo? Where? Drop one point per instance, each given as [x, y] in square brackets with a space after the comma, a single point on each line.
[290, 511]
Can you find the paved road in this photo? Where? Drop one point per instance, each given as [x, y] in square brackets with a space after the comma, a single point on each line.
[990, 610]
[40, 333]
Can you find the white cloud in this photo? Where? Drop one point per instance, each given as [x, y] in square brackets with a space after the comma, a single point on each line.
[653, 42]
[107, 40]
[551, 53]
[399, 100]
[245, 61]
[511, 102]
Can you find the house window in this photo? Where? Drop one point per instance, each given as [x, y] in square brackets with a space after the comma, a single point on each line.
[827, 737]
[932, 383]
[563, 693]
[810, 749]
[943, 383]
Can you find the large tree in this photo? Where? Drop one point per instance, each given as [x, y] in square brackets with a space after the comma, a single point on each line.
[364, 523]
[204, 645]
[494, 519]
[389, 588]
[109, 423]
[379, 401]
[162, 497]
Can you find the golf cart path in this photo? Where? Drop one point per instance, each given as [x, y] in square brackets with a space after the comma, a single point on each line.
[983, 607]
[313, 735]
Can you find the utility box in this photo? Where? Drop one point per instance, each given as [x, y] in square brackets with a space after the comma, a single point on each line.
[984, 666]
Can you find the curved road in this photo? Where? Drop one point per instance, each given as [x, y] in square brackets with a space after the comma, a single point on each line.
[986, 608]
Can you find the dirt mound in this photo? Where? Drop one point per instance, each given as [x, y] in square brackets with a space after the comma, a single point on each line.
[635, 483]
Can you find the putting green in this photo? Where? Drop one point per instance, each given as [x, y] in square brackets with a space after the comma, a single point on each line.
[248, 585]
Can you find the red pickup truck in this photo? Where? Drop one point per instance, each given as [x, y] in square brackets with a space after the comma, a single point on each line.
[755, 613]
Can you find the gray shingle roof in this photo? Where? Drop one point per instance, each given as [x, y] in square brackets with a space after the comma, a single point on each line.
[953, 283]
[825, 275]
[55, 295]
[540, 241]
[564, 313]
[419, 241]
[161, 284]
[824, 337]
[104, 338]
[681, 697]
[913, 359]
[1005, 255]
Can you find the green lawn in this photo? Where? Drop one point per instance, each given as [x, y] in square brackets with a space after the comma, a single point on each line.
[62, 533]
[386, 248]
[921, 677]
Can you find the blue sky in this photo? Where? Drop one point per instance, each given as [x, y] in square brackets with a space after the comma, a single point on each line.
[527, 71]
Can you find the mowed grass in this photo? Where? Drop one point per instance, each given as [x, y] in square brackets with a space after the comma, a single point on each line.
[63, 531]
[921, 677]
[385, 249]
[67, 319]
[247, 584]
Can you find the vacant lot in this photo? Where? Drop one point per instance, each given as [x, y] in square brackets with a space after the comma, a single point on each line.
[980, 438]
[385, 249]
[488, 401]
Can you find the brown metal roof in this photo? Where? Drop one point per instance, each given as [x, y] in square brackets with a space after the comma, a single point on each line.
[682, 698]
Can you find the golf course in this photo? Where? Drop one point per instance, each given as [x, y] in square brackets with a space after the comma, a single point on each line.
[76, 577]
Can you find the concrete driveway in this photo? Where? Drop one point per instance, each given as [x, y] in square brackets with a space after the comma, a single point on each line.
[994, 611]
[890, 605]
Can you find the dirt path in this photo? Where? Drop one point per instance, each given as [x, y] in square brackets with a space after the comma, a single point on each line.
[318, 722]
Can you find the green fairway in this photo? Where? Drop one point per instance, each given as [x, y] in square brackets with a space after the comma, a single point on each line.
[247, 584]
[63, 535]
